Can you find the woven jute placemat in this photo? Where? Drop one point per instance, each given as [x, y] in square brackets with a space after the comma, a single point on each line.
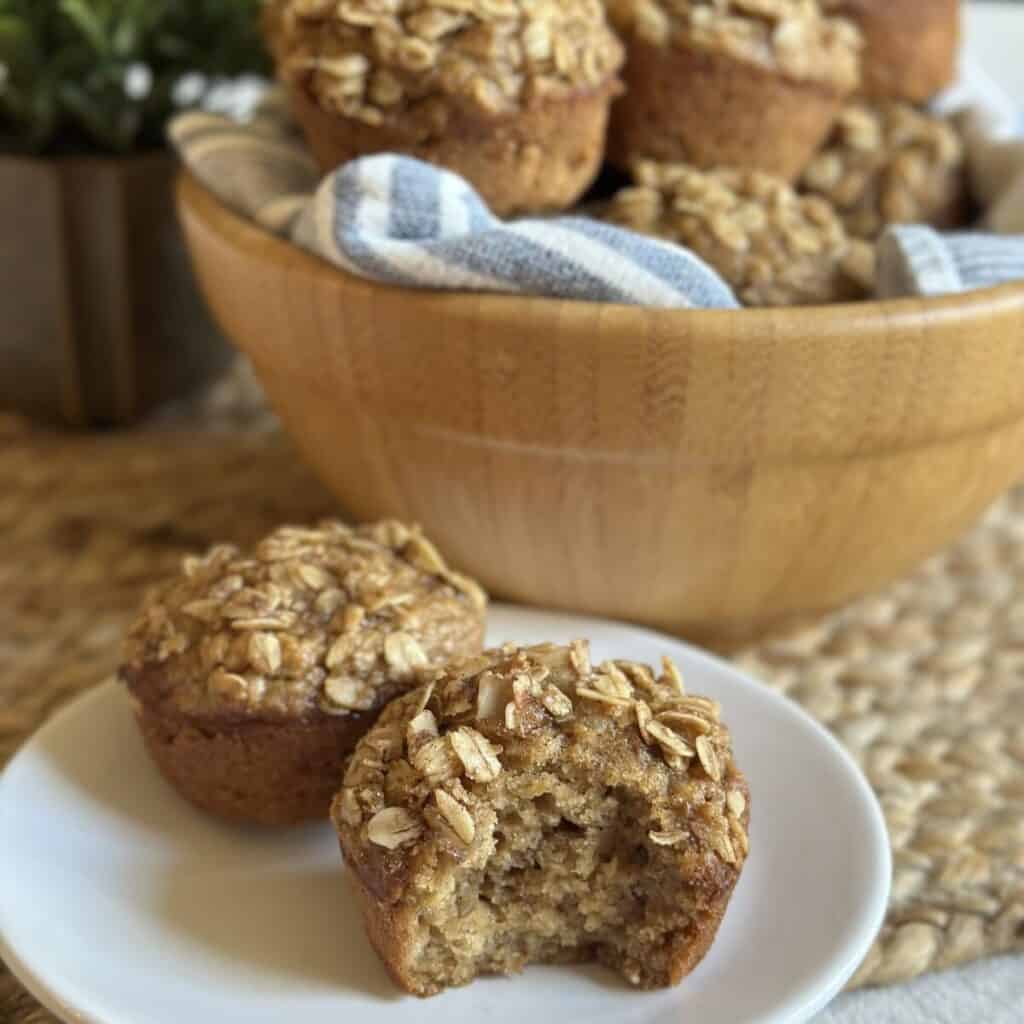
[923, 683]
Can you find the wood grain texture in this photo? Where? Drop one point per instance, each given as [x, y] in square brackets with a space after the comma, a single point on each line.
[712, 473]
[101, 317]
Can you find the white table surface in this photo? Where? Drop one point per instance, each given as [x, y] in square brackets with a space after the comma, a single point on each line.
[989, 991]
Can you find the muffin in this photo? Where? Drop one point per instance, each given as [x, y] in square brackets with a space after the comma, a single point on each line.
[891, 164]
[527, 807]
[910, 46]
[774, 247]
[511, 94]
[253, 674]
[731, 83]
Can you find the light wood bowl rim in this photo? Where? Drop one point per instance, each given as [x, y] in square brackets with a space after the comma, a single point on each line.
[240, 233]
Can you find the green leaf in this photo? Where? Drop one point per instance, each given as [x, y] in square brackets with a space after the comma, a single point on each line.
[66, 62]
[86, 20]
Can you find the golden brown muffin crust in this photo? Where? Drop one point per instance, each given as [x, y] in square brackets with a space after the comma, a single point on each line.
[773, 246]
[736, 114]
[378, 61]
[538, 159]
[890, 164]
[789, 37]
[729, 83]
[322, 620]
[273, 773]
[911, 46]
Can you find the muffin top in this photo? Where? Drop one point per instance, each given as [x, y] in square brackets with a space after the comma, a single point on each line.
[328, 619]
[373, 59]
[518, 721]
[772, 245]
[792, 37]
[887, 164]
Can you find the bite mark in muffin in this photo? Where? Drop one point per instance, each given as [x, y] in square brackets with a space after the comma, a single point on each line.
[527, 806]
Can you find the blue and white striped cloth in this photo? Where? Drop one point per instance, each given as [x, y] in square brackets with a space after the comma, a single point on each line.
[401, 221]
[914, 259]
[397, 220]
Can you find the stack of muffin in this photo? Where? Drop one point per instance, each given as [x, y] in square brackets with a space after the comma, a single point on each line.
[775, 138]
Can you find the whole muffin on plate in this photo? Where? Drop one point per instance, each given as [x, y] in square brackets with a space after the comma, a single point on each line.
[511, 94]
[254, 673]
[527, 806]
[773, 246]
[891, 164]
[910, 45]
[733, 83]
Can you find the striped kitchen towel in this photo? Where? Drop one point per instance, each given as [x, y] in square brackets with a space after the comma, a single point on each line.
[401, 221]
[397, 220]
[916, 260]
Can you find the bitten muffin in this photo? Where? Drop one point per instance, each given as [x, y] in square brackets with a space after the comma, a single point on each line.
[891, 164]
[253, 674]
[910, 46]
[511, 94]
[528, 807]
[731, 83]
[774, 247]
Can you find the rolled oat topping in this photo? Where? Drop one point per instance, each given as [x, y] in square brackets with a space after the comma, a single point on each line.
[372, 59]
[791, 36]
[491, 713]
[888, 164]
[772, 245]
[330, 617]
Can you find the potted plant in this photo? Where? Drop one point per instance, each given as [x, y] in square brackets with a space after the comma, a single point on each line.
[99, 317]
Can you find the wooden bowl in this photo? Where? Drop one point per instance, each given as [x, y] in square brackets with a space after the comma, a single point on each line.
[708, 472]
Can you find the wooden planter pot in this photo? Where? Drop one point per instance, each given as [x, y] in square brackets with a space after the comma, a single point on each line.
[99, 316]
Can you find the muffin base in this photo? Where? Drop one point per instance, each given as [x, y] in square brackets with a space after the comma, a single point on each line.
[268, 773]
[542, 158]
[946, 206]
[711, 110]
[910, 48]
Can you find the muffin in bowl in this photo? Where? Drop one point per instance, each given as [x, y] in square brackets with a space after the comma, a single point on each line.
[891, 164]
[526, 806]
[910, 46]
[773, 246]
[731, 83]
[511, 94]
[254, 673]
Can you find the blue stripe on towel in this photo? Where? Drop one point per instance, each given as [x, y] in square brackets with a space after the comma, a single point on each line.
[533, 268]
[347, 196]
[662, 259]
[415, 201]
[389, 224]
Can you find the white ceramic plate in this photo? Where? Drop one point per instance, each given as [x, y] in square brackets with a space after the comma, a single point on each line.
[120, 904]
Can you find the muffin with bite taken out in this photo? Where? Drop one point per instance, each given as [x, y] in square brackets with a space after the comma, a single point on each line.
[527, 806]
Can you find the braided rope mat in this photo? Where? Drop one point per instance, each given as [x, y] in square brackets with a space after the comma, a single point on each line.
[924, 683]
